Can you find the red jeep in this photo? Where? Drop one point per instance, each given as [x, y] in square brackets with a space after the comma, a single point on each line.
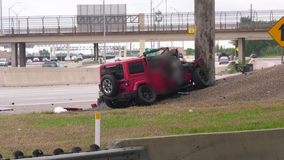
[140, 80]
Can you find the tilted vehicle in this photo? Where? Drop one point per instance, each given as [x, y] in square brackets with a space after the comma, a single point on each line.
[140, 80]
[3, 62]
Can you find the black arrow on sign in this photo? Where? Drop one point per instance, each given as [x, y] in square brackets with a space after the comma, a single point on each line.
[282, 32]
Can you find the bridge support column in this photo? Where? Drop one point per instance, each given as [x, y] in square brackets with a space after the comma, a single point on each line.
[125, 51]
[22, 54]
[14, 56]
[241, 44]
[204, 17]
[68, 51]
[142, 46]
[96, 51]
[53, 51]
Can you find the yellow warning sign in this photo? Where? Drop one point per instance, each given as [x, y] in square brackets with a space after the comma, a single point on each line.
[277, 32]
[237, 49]
[190, 30]
[240, 69]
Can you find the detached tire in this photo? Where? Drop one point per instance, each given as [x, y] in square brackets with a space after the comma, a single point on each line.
[146, 95]
[200, 78]
[109, 85]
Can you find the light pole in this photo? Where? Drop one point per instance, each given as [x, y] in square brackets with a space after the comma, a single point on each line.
[18, 24]
[104, 32]
[9, 14]
[159, 18]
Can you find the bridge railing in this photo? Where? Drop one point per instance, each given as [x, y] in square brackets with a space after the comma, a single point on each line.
[136, 22]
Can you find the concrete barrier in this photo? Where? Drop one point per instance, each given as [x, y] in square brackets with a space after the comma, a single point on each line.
[224, 67]
[47, 76]
[244, 145]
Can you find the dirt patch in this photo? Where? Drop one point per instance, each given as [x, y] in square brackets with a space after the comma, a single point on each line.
[264, 84]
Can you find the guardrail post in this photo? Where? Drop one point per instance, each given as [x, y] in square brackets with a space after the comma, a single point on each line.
[139, 28]
[154, 27]
[42, 29]
[12, 30]
[171, 27]
[123, 28]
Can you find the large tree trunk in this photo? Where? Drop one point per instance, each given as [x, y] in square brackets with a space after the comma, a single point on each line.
[204, 17]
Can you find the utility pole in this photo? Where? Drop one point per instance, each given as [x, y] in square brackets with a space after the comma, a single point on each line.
[204, 18]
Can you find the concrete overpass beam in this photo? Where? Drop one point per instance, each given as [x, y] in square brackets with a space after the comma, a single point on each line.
[142, 46]
[14, 56]
[22, 54]
[241, 44]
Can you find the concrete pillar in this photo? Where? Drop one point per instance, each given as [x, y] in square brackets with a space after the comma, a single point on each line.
[96, 51]
[119, 52]
[204, 18]
[53, 50]
[22, 54]
[68, 51]
[241, 53]
[14, 56]
[142, 46]
[141, 21]
[125, 51]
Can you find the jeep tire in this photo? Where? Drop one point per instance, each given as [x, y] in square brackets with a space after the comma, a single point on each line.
[146, 95]
[200, 78]
[109, 85]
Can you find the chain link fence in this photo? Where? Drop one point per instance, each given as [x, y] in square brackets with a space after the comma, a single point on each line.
[136, 22]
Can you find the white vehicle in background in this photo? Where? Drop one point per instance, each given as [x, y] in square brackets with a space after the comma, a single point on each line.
[29, 61]
[223, 59]
[3, 62]
[117, 58]
[67, 59]
[74, 58]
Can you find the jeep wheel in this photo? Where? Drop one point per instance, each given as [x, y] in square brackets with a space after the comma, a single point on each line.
[109, 85]
[200, 78]
[146, 95]
[114, 105]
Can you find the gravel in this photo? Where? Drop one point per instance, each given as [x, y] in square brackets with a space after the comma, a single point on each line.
[264, 84]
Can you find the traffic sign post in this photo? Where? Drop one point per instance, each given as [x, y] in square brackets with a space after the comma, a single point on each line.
[277, 33]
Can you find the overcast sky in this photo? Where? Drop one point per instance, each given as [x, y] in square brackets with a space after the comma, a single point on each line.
[69, 7]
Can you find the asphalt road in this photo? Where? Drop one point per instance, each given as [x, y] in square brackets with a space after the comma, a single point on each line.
[46, 98]
[265, 62]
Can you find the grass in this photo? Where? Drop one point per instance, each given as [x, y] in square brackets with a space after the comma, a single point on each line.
[232, 70]
[48, 131]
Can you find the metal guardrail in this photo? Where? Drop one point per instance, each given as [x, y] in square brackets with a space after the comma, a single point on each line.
[136, 22]
[133, 153]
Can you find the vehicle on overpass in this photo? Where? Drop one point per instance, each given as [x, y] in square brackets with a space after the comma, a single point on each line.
[3, 62]
[53, 64]
[140, 80]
